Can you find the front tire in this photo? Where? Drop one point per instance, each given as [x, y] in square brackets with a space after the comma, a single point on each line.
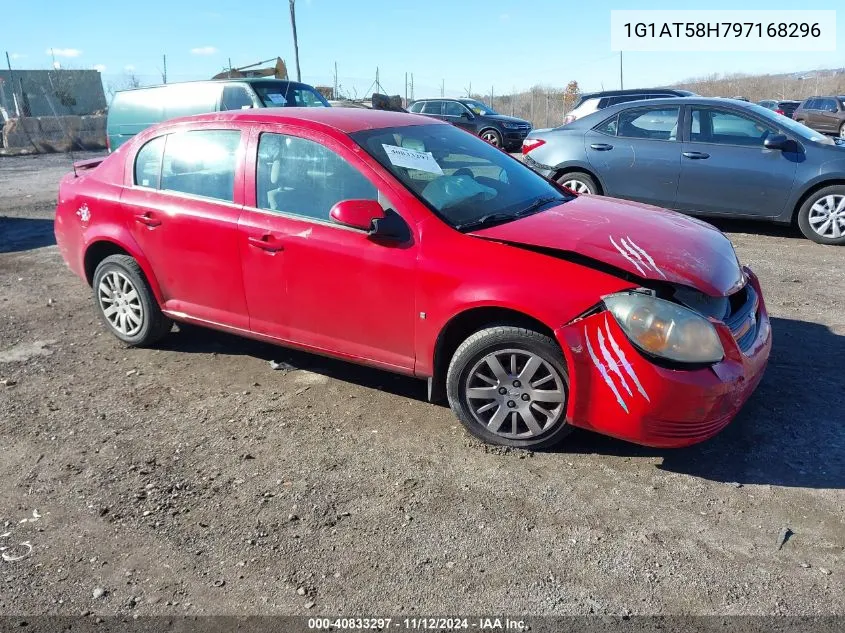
[126, 304]
[579, 182]
[822, 216]
[842, 131]
[509, 386]
[493, 137]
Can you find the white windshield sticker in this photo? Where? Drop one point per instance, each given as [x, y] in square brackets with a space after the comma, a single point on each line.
[276, 98]
[412, 159]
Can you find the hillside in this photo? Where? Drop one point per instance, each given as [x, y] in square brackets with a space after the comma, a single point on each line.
[781, 86]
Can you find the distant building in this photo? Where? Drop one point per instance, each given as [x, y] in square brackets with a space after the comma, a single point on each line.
[22, 92]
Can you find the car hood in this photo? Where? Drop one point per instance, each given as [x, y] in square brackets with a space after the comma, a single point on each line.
[505, 118]
[644, 241]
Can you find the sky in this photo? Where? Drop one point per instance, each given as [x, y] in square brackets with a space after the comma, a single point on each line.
[457, 44]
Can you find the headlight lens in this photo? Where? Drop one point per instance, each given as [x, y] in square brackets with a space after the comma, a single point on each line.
[665, 329]
[511, 126]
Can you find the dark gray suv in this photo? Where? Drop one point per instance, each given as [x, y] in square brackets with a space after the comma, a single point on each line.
[497, 129]
[717, 157]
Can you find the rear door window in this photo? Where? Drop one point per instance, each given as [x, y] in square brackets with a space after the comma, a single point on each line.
[432, 107]
[148, 163]
[416, 107]
[658, 123]
[201, 163]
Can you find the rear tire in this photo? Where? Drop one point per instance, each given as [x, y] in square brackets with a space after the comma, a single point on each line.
[126, 304]
[528, 366]
[842, 131]
[579, 182]
[822, 216]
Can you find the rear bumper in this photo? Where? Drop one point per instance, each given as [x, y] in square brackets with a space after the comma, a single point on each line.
[617, 391]
[544, 170]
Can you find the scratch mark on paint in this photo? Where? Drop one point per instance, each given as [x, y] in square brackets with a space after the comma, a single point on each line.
[612, 364]
[624, 361]
[647, 256]
[603, 371]
[625, 254]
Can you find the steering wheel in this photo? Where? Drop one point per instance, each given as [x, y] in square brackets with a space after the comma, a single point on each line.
[463, 171]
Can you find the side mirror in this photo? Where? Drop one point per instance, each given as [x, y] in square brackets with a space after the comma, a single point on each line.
[357, 214]
[467, 115]
[777, 141]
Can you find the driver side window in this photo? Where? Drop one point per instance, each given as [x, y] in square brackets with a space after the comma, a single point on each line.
[301, 177]
[723, 127]
[453, 108]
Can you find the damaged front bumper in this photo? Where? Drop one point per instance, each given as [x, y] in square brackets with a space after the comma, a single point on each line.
[618, 391]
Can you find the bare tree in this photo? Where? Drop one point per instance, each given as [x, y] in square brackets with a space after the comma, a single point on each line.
[295, 39]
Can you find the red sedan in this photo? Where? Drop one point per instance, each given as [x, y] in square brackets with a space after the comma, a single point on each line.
[394, 241]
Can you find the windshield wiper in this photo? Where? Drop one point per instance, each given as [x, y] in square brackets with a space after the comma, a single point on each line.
[493, 218]
[538, 204]
[490, 218]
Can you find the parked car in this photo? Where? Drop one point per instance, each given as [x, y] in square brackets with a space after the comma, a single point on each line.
[786, 108]
[823, 114]
[137, 109]
[396, 241]
[593, 101]
[497, 129]
[702, 156]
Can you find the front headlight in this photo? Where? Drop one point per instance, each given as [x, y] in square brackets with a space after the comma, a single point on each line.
[665, 329]
[511, 126]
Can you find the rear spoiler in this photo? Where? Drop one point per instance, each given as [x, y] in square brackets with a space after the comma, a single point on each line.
[91, 163]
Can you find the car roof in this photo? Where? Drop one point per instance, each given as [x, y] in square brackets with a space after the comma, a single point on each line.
[346, 120]
[609, 111]
[635, 91]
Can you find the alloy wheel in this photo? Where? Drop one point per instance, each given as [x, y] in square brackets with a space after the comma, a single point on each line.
[578, 186]
[491, 137]
[827, 216]
[515, 394]
[120, 303]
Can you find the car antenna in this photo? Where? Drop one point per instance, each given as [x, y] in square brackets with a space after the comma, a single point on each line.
[64, 131]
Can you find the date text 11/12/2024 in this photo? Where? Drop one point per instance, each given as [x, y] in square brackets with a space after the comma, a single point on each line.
[419, 624]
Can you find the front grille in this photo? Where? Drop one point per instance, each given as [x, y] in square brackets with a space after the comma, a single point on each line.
[744, 318]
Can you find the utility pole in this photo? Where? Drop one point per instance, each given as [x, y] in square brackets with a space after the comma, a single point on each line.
[442, 88]
[334, 94]
[406, 89]
[295, 40]
[229, 72]
[513, 98]
[491, 98]
[412, 86]
[621, 83]
[164, 72]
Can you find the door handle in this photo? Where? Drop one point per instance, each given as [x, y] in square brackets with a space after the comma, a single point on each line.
[696, 155]
[266, 243]
[147, 219]
[601, 147]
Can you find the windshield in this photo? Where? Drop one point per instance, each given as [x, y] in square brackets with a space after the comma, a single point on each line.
[793, 126]
[464, 180]
[279, 95]
[479, 108]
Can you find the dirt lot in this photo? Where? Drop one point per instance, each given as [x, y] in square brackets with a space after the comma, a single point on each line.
[194, 479]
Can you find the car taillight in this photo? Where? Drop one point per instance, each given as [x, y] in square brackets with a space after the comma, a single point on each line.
[779, 111]
[531, 144]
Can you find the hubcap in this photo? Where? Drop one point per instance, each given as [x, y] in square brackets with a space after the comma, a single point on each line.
[827, 216]
[491, 137]
[515, 394]
[577, 186]
[120, 303]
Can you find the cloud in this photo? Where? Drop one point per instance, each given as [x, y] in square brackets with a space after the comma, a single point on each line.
[17, 55]
[64, 52]
[203, 50]
[100, 68]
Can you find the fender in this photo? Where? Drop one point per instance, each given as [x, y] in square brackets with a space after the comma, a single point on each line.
[121, 237]
[829, 177]
[580, 165]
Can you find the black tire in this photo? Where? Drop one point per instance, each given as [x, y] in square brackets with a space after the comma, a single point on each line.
[842, 130]
[804, 216]
[478, 346]
[154, 325]
[580, 177]
[492, 136]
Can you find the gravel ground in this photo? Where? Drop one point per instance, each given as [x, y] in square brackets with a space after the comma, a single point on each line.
[193, 478]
